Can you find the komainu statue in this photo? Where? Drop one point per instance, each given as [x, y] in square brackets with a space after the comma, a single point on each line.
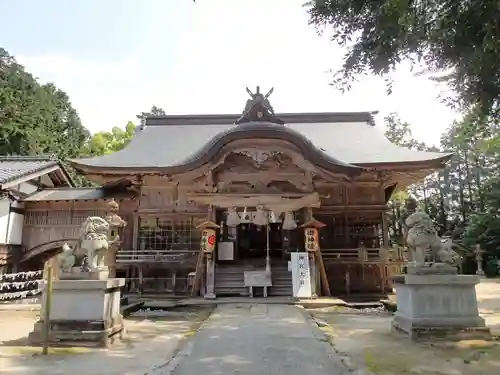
[94, 240]
[428, 253]
[66, 259]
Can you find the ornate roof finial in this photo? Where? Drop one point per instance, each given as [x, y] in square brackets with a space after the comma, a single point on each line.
[258, 108]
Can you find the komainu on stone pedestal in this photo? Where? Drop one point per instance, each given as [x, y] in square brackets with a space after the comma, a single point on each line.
[434, 307]
[85, 309]
[428, 252]
[434, 302]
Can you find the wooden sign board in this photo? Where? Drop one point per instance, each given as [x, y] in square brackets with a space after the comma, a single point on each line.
[225, 250]
[257, 278]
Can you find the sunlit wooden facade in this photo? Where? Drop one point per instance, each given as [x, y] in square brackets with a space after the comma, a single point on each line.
[181, 170]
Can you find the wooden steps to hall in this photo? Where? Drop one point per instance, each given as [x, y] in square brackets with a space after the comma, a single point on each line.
[229, 279]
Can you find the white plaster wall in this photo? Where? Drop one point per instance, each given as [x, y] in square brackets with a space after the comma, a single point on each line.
[15, 230]
[26, 188]
[4, 219]
[11, 224]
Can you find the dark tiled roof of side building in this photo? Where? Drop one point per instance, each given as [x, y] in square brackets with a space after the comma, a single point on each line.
[66, 194]
[15, 167]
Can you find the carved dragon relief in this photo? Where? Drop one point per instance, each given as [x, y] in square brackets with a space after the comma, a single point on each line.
[259, 166]
[256, 171]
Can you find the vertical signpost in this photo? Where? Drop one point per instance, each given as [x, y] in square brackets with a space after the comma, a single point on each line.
[301, 275]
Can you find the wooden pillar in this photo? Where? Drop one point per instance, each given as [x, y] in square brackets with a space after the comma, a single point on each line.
[174, 281]
[385, 230]
[348, 280]
[141, 280]
[385, 256]
[383, 278]
[135, 231]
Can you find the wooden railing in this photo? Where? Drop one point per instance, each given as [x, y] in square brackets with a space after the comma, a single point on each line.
[159, 285]
[329, 256]
[361, 255]
[174, 257]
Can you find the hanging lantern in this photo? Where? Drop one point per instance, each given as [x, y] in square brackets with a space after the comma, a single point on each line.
[273, 218]
[232, 219]
[260, 217]
[289, 222]
[245, 217]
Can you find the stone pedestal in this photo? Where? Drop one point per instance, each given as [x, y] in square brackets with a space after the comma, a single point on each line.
[438, 307]
[83, 313]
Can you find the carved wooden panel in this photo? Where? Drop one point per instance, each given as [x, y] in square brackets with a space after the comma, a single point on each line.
[254, 160]
[184, 204]
[360, 195]
[333, 195]
[157, 198]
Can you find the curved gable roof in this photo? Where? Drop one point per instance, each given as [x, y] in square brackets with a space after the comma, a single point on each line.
[332, 140]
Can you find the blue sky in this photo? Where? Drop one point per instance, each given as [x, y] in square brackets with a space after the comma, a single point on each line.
[117, 58]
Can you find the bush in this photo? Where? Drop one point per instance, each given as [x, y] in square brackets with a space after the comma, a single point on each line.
[469, 266]
[491, 268]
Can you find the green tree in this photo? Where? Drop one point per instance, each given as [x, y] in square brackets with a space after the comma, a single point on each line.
[457, 40]
[484, 226]
[102, 143]
[36, 119]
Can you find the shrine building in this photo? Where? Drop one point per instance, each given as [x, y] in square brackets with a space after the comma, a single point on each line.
[260, 185]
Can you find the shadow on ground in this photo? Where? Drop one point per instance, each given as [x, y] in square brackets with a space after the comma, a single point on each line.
[151, 340]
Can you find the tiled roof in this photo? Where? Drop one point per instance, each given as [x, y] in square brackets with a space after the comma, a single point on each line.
[68, 194]
[15, 167]
[338, 138]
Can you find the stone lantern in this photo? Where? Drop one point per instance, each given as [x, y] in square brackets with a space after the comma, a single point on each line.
[311, 242]
[116, 225]
[208, 241]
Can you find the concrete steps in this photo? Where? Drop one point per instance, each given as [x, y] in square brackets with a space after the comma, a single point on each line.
[229, 279]
[282, 281]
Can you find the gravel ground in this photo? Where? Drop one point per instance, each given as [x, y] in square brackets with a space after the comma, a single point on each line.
[363, 340]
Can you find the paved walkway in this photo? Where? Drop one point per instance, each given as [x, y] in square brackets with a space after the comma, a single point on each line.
[256, 339]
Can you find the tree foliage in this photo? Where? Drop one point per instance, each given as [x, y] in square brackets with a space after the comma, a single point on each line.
[35, 118]
[39, 119]
[464, 199]
[456, 39]
[102, 143]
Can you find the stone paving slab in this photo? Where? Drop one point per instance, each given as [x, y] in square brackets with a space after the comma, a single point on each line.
[257, 339]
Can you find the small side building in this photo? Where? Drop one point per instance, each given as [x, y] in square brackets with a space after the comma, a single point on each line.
[21, 176]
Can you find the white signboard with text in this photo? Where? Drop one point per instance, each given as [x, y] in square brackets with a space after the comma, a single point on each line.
[226, 250]
[301, 275]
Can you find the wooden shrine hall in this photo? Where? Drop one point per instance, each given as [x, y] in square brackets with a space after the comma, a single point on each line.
[211, 200]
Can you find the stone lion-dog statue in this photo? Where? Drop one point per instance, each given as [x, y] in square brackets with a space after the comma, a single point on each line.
[94, 240]
[425, 245]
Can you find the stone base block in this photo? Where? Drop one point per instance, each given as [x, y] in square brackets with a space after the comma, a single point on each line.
[82, 313]
[425, 332]
[77, 274]
[438, 307]
[98, 334]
